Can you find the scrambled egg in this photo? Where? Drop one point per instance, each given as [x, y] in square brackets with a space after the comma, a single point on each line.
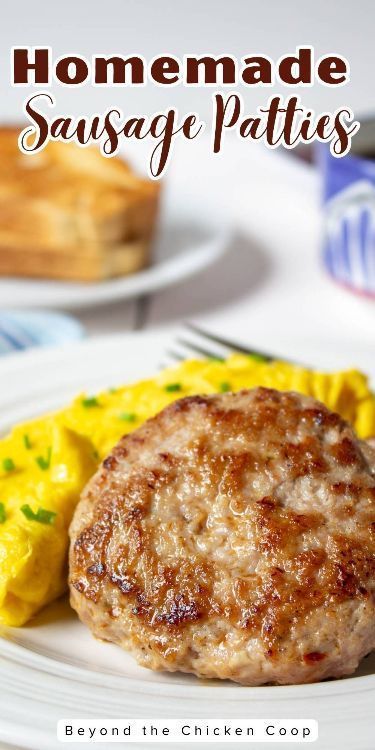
[44, 464]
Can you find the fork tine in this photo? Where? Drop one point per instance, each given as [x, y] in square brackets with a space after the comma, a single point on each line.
[173, 357]
[179, 356]
[229, 344]
[197, 349]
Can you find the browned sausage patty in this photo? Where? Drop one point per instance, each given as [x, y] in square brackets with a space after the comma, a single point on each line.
[232, 536]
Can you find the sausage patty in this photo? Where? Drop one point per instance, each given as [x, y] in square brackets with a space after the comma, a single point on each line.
[232, 536]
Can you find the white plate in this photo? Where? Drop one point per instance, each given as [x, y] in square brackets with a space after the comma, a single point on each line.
[54, 669]
[186, 243]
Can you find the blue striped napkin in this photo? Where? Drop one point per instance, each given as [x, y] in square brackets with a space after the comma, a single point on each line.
[20, 330]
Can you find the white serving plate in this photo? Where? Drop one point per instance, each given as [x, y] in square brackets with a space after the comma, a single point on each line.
[53, 668]
[188, 240]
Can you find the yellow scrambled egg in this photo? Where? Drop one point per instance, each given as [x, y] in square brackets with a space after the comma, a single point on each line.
[44, 464]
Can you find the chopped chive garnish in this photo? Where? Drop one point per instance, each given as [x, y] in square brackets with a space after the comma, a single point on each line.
[8, 464]
[173, 387]
[112, 390]
[127, 416]
[42, 515]
[89, 402]
[258, 357]
[225, 387]
[44, 462]
[216, 359]
[3, 515]
[26, 442]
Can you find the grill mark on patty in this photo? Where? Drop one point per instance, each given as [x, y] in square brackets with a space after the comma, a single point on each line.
[322, 417]
[180, 611]
[161, 604]
[304, 458]
[110, 463]
[346, 453]
[283, 597]
[313, 657]
[279, 528]
[188, 403]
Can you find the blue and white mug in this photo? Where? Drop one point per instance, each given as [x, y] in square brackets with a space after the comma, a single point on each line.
[349, 213]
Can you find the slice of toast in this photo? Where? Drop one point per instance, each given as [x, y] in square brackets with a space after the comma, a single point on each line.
[70, 213]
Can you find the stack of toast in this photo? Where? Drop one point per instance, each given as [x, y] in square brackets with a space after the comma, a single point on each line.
[70, 213]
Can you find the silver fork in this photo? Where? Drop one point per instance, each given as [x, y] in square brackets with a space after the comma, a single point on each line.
[209, 345]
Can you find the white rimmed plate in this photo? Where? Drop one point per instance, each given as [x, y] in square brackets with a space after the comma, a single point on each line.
[187, 242]
[54, 669]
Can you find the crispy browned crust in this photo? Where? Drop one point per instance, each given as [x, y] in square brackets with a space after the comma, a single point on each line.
[241, 436]
[70, 213]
